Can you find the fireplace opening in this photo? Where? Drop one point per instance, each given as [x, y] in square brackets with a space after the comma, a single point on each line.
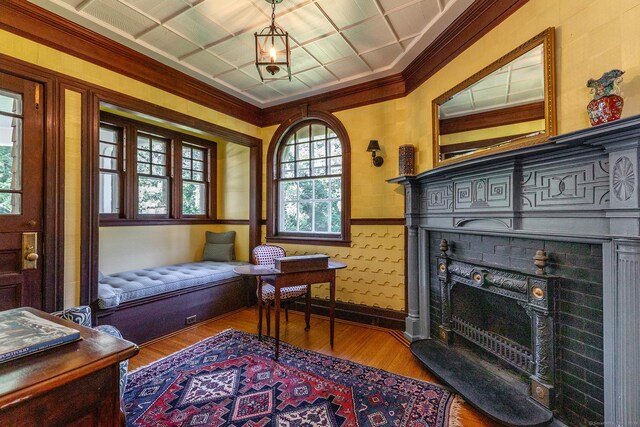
[492, 313]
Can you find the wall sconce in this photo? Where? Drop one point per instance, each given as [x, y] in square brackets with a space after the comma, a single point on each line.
[376, 161]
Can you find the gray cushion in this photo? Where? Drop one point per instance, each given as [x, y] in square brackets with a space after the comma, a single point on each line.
[224, 237]
[221, 252]
[135, 284]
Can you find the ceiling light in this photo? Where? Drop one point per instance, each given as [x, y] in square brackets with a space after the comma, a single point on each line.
[272, 49]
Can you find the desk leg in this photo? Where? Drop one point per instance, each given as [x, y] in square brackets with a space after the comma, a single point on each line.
[259, 283]
[277, 317]
[332, 306]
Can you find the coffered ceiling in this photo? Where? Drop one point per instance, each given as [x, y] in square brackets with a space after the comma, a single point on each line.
[335, 43]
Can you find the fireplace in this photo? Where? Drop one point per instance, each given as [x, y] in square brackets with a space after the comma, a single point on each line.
[578, 199]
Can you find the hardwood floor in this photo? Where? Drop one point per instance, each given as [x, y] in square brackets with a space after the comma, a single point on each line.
[371, 346]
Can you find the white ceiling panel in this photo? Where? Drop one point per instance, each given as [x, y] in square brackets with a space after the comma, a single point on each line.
[286, 87]
[304, 24]
[208, 63]
[316, 77]
[348, 67]
[117, 15]
[197, 28]
[263, 92]
[382, 58]
[346, 13]
[236, 16]
[334, 43]
[388, 5]
[73, 3]
[235, 51]
[329, 49]
[159, 10]
[301, 60]
[370, 35]
[411, 20]
[169, 42]
[240, 79]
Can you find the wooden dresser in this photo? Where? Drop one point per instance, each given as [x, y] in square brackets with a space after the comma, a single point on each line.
[76, 384]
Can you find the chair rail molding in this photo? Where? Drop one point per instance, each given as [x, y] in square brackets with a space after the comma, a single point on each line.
[578, 187]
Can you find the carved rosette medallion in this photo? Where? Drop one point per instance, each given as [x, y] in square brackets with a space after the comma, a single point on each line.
[624, 179]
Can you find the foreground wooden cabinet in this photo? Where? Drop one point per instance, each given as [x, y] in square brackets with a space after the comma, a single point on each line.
[76, 384]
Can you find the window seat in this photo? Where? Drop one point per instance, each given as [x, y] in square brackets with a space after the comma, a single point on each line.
[147, 304]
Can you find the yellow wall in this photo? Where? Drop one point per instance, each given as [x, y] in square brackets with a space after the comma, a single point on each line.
[72, 197]
[128, 248]
[233, 179]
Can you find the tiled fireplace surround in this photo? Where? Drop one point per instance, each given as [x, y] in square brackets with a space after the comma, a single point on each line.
[577, 198]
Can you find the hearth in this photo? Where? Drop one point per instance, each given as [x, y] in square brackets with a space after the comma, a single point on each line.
[508, 314]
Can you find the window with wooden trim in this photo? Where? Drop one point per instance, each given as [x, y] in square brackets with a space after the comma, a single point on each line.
[309, 185]
[169, 178]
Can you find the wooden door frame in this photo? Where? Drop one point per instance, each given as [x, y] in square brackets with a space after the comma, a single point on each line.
[53, 185]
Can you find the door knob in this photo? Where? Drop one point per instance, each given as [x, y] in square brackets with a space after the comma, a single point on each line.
[31, 257]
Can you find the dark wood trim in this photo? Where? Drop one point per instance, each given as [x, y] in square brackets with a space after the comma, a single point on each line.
[53, 203]
[90, 218]
[378, 221]
[359, 95]
[271, 184]
[255, 196]
[358, 313]
[30, 21]
[489, 119]
[473, 145]
[33, 22]
[476, 21]
[169, 221]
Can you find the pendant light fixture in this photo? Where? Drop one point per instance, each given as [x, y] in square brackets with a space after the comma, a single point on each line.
[273, 56]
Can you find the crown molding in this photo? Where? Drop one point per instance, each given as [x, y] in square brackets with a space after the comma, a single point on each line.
[35, 23]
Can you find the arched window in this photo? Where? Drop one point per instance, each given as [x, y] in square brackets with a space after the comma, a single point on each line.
[309, 185]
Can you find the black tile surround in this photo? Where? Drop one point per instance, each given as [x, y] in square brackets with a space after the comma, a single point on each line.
[579, 346]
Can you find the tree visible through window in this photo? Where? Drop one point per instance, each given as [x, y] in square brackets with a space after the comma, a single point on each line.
[310, 181]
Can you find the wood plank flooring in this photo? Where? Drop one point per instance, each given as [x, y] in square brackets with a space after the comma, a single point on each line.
[377, 347]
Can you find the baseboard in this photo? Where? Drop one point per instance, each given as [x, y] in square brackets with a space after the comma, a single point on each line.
[374, 316]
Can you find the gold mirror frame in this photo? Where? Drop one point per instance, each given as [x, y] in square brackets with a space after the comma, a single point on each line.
[546, 39]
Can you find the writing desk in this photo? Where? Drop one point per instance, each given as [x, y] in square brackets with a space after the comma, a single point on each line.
[282, 280]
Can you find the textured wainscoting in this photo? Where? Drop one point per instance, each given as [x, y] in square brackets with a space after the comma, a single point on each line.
[375, 267]
[579, 345]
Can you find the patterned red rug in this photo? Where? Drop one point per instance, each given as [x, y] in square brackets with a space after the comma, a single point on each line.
[231, 379]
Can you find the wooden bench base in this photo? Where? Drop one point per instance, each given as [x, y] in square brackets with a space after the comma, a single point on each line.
[149, 318]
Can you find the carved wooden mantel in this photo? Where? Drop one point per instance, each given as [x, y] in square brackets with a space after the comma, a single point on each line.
[582, 187]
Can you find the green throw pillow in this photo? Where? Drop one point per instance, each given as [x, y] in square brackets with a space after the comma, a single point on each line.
[221, 252]
[224, 237]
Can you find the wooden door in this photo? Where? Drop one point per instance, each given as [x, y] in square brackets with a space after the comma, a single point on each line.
[21, 192]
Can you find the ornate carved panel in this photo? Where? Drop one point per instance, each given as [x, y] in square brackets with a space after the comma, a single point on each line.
[584, 185]
[490, 192]
[438, 198]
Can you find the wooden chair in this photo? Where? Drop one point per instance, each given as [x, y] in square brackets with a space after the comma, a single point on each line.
[266, 254]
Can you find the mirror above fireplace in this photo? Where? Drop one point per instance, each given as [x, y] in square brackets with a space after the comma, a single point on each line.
[509, 104]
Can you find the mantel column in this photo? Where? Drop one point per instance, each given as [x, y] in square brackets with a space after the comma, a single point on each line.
[412, 207]
[622, 337]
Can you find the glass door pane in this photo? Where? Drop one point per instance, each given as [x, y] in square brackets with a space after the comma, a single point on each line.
[11, 121]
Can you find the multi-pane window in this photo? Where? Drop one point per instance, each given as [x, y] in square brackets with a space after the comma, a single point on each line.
[310, 181]
[161, 175]
[111, 157]
[153, 174]
[194, 180]
[11, 120]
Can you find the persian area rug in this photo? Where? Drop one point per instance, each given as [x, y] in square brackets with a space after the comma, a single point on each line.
[231, 379]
